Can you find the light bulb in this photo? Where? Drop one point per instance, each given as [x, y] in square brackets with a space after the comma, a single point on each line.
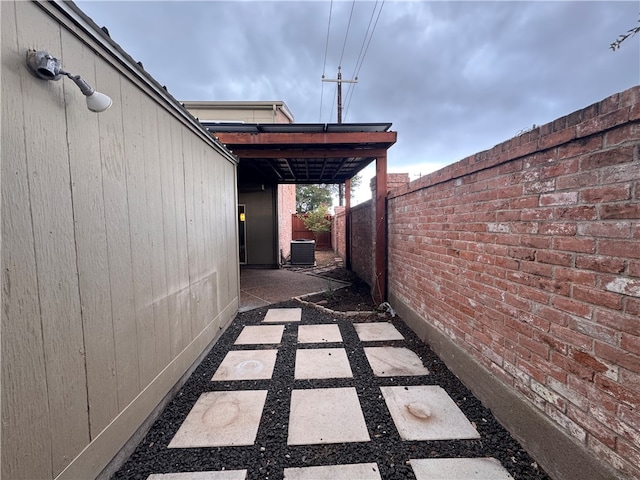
[98, 102]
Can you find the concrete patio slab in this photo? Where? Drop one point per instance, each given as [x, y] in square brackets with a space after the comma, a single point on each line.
[459, 469]
[326, 415]
[260, 335]
[246, 365]
[360, 471]
[262, 287]
[377, 332]
[322, 363]
[319, 334]
[426, 412]
[282, 315]
[220, 419]
[223, 475]
[394, 362]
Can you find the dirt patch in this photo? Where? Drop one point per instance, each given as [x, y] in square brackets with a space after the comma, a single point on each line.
[354, 298]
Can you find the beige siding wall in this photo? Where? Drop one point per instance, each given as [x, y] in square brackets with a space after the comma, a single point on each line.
[119, 251]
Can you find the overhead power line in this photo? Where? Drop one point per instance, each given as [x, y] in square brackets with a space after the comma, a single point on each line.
[324, 65]
[359, 66]
[346, 35]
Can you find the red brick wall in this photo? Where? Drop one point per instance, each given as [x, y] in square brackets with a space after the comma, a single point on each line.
[286, 206]
[362, 246]
[528, 256]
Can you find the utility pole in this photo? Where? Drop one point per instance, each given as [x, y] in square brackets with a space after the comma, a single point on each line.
[340, 81]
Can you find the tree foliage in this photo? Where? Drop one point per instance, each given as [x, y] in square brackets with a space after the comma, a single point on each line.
[622, 37]
[310, 197]
[317, 220]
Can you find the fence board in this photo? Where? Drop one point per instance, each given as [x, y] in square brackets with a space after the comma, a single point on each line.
[51, 209]
[25, 408]
[169, 229]
[91, 243]
[125, 335]
[182, 255]
[299, 231]
[139, 231]
[152, 159]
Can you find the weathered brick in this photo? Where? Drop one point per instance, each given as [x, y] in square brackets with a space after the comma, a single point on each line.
[600, 263]
[605, 229]
[580, 147]
[597, 297]
[539, 187]
[631, 343]
[573, 307]
[571, 337]
[558, 228]
[585, 213]
[618, 356]
[578, 245]
[623, 285]
[554, 258]
[620, 210]
[619, 248]
[624, 133]
[627, 172]
[556, 138]
[602, 122]
[558, 169]
[569, 425]
[617, 391]
[573, 368]
[629, 97]
[617, 320]
[606, 158]
[578, 180]
[608, 193]
[576, 276]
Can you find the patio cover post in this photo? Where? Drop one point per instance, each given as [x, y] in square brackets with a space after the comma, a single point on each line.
[347, 224]
[380, 286]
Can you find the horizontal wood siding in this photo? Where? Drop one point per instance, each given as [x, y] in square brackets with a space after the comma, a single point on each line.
[118, 251]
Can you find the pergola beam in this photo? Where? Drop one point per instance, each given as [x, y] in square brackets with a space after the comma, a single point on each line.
[358, 152]
[305, 138]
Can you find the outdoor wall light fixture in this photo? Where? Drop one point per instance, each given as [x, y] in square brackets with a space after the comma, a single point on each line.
[47, 67]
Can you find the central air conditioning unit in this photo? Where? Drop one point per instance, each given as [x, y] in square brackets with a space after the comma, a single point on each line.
[303, 252]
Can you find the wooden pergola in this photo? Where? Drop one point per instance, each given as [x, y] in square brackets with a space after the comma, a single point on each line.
[316, 153]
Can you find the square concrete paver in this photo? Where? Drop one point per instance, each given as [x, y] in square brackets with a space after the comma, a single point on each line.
[459, 469]
[246, 365]
[319, 334]
[282, 315]
[426, 413]
[377, 332]
[394, 362]
[221, 419]
[260, 335]
[360, 471]
[322, 363]
[223, 475]
[326, 415]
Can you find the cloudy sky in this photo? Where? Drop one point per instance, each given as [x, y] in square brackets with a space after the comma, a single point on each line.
[454, 78]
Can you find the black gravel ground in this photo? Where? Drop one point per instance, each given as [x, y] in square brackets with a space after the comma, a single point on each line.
[270, 454]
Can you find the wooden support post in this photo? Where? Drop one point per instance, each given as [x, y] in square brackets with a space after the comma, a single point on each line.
[380, 286]
[347, 224]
